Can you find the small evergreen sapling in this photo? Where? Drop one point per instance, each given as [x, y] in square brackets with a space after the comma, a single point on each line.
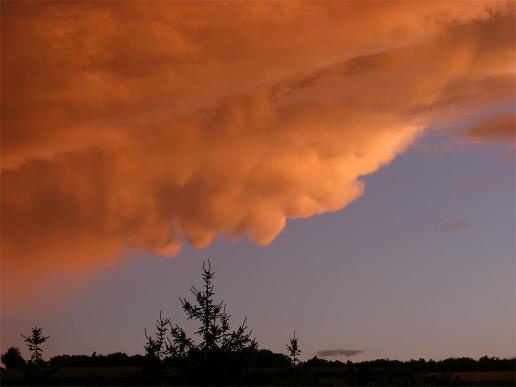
[155, 347]
[34, 342]
[294, 350]
[179, 344]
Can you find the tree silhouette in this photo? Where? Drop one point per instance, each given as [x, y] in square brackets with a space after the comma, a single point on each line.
[34, 344]
[151, 347]
[12, 358]
[179, 344]
[214, 330]
[293, 349]
[220, 353]
[155, 347]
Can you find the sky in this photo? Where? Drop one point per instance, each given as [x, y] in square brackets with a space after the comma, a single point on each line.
[347, 167]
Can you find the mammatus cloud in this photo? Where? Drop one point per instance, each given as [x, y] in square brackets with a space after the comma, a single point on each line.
[138, 126]
[339, 352]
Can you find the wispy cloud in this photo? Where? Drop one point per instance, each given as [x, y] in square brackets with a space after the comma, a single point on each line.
[339, 352]
[500, 128]
[455, 225]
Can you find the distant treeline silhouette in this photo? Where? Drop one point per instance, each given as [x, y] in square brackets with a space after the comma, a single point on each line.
[267, 358]
[268, 368]
[458, 364]
[261, 358]
[217, 354]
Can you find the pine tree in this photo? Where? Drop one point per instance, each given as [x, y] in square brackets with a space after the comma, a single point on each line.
[151, 349]
[179, 344]
[219, 355]
[34, 344]
[294, 350]
[214, 329]
[155, 347]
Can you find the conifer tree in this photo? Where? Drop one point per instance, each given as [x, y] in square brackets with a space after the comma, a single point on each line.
[294, 349]
[179, 344]
[34, 342]
[155, 347]
[220, 354]
[214, 329]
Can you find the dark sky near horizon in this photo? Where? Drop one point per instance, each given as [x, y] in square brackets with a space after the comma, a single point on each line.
[348, 168]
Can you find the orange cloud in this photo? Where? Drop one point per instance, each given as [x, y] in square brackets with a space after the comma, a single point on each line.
[136, 126]
[500, 128]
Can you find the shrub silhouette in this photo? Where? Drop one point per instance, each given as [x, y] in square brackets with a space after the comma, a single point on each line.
[34, 342]
[13, 359]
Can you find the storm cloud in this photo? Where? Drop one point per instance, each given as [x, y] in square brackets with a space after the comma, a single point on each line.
[136, 126]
